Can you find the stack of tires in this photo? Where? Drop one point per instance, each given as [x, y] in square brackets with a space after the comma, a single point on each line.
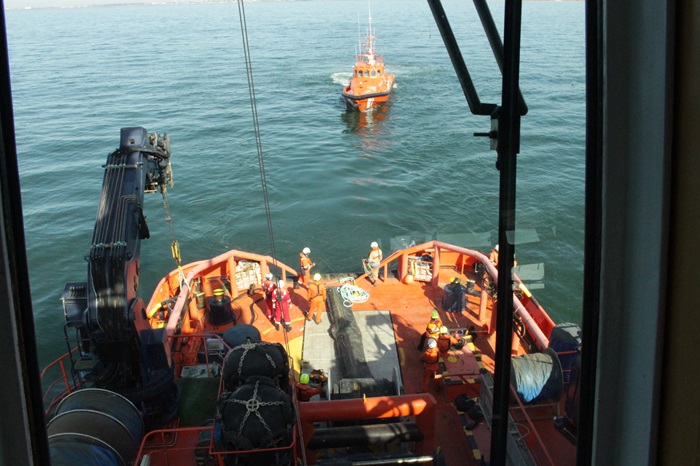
[255, 411]
[256, 358]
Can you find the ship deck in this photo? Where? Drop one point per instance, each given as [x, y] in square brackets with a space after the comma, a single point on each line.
[391, 322]
[388, 321]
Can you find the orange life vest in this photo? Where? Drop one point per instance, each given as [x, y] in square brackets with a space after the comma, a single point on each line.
[430, 357]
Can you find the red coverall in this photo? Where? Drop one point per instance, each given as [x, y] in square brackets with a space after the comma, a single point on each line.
[430, 367]
[280, 304]
[269, 288]
[305, 392]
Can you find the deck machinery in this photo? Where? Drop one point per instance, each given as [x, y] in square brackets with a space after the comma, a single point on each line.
[119, 351]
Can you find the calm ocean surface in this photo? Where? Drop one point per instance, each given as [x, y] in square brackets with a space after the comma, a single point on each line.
[336, 180]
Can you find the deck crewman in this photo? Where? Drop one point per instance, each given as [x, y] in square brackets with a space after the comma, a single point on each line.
[432, 330]
[316, 294]
[281, 304]
[430, 360]
[493, 257]
[374, 260]
[305, 265]
[305, 391]
[445, 341]
[269, 287]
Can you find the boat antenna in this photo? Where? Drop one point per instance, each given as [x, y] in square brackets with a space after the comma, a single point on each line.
[256, 128]
[371, 45]
[359, 36]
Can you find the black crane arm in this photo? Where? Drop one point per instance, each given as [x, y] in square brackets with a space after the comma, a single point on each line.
[140, 165]
[119, 351]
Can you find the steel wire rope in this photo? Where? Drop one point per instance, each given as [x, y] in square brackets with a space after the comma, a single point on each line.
[174, 244]
[256, 127]
[261, 164]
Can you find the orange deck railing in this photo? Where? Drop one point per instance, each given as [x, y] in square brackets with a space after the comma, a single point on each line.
[174, 446]
[58, 381]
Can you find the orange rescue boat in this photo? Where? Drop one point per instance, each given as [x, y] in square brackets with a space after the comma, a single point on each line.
[370, 85]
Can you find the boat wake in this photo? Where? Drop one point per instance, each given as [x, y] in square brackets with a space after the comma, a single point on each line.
[341, 77]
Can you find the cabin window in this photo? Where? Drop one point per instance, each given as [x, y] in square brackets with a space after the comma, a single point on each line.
[374, 73]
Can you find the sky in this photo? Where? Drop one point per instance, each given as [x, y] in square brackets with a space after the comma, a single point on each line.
[21, 4]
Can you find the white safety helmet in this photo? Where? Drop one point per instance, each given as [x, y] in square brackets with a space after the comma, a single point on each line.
[280, 283]
[306, 251]
[432, 343]
[374, 244]
[317, 277]
[268, 276]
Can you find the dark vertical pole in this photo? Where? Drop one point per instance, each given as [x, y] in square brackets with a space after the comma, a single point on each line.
[23, 425]
[592, 237]
[508, 148]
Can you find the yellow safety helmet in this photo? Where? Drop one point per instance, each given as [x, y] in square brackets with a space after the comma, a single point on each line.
[443, 329]
[435, 315]
[304, 378]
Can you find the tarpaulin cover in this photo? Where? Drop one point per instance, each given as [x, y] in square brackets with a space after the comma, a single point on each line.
[454, 298]
[566, 338]
[537, 376]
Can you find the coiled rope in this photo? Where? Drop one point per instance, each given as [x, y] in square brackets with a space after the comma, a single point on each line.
[352, 293]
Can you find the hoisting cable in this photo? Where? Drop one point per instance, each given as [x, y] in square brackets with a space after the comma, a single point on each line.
[261, 164]
[174, 245]
[256, 127]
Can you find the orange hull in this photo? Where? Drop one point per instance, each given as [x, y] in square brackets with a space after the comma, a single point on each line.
[365, 95]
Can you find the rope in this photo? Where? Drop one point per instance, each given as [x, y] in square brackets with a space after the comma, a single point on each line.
[261, 164]
[256, 127]
[174, 246]
[352, 293]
